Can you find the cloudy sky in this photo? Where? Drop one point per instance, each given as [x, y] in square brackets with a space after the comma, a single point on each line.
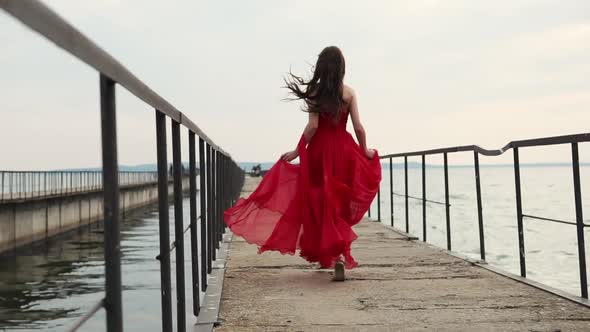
[427, 73]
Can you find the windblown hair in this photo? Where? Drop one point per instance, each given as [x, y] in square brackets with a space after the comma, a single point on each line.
[323, 93]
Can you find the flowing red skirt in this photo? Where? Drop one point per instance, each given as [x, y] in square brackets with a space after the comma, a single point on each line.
[311, 206]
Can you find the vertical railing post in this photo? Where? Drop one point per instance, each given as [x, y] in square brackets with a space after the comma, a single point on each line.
[178, 228]
[391, 188]
[424, 198]
[214, 200]
[519, 217]
[406, 188]
[164, 222]
[227, 188]
[219, 183]
[223, 195]
[224, 180]
[209, 211]
[230, 180]
[379, 197]
[579, 220]
[369, 211]
[203, 221]
[482, 246]
[112, 250]
[193, 220]
[447, 204]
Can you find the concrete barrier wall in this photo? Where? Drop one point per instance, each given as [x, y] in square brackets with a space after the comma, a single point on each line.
[26, 222]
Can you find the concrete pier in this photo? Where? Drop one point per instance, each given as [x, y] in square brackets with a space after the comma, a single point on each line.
[23, 222]
[400, 285]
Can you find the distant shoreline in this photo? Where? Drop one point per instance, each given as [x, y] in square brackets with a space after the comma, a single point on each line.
[266, 165]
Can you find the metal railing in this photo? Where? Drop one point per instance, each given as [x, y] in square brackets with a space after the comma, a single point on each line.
[23, 185]
[220, 177]
[572, 140]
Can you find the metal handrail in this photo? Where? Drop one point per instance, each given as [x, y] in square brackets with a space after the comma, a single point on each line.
[24, 185]
[173, 246]
[552, 220]
[220, 177]
[573, 140]
[555, 140]
[93, 310]
[419, 199]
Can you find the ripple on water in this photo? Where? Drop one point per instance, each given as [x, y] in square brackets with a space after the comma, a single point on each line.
[49, 288]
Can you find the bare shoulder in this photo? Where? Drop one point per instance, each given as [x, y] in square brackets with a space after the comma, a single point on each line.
[348, 93]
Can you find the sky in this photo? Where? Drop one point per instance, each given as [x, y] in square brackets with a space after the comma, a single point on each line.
[427, 74]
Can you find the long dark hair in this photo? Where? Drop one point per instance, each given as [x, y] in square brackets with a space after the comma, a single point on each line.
[323, 92]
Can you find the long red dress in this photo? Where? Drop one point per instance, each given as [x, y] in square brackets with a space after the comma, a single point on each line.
[311, 206]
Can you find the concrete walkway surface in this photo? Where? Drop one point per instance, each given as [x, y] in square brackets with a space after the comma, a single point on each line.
[400, 285]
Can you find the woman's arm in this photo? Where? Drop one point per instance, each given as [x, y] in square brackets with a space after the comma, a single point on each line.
[359, 130]
[308, 132]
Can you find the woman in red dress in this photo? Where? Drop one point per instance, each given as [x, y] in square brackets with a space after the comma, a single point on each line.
[312, 206]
